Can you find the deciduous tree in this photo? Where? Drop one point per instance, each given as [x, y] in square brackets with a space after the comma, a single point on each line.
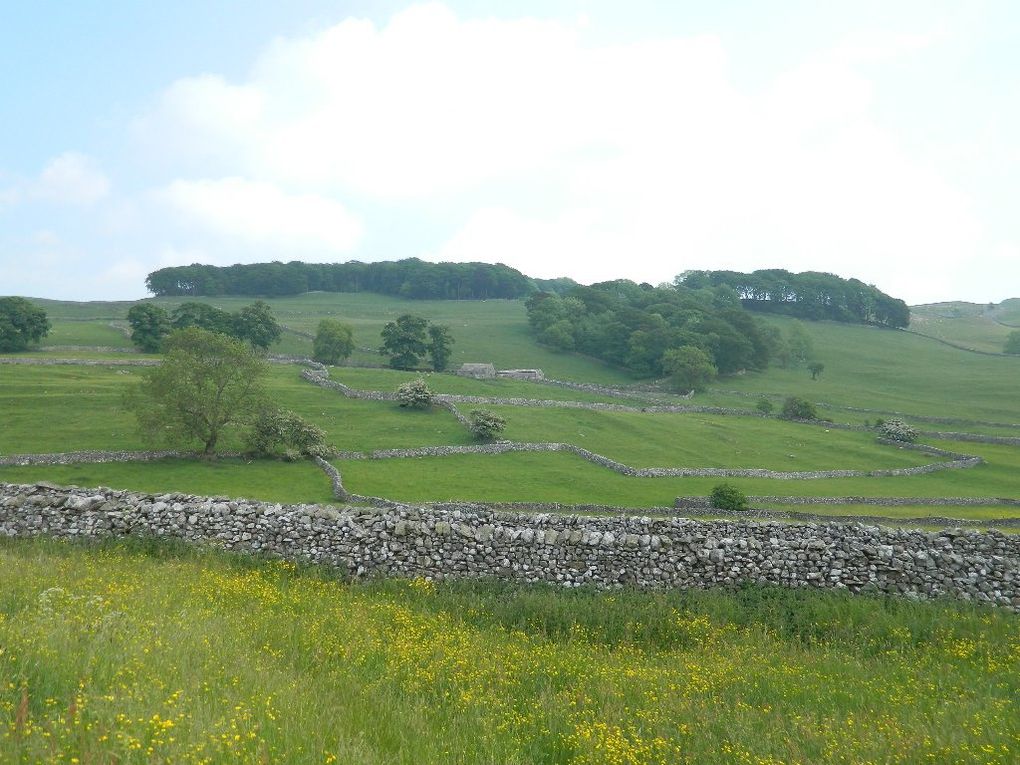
[207, 383]
[334, 342]
[22, 323]
[404, 341]
[150, 323]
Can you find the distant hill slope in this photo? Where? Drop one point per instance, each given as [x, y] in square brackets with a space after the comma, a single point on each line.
[980, 326]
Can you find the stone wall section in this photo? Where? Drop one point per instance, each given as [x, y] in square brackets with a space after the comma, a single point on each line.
[565, 550]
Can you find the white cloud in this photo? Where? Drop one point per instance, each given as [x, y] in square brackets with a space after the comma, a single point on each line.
[71, 178]
[261, 214]
[563, 157]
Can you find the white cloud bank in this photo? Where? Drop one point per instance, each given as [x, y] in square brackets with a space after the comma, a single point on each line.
[560, 157]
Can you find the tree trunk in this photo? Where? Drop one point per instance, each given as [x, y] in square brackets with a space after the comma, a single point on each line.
[210, 447]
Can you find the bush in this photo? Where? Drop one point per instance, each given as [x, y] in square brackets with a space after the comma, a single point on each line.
[415, 394]
[278, 432]
[486, 425]
[898, 430]
[795, 408]
[764, 406]
[725, 496]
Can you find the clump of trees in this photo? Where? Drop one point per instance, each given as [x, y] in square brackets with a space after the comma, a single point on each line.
[151, 323]
[334, 342]
[415, 394]
[22, 324]
[807, 295]
[208, 383]
[409, 338]
[282, 433]
[635, 327]
[796, 408]
[897, 430]
[815, 368]
[486, 424]
[410, 278]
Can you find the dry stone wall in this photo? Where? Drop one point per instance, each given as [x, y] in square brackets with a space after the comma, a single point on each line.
[565, 550]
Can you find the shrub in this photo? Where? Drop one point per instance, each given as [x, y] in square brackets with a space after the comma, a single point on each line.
[726, 496]
[278, 432]
[898, 430]
[795, 408]
[415, 394]
[764, 406]
[486, 425]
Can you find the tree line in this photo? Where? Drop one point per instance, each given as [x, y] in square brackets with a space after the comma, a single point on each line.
[151, 324]
[689, 334]
[410, 278]
[807, 295]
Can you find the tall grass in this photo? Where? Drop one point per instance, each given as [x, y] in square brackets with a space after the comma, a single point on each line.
[145, 652]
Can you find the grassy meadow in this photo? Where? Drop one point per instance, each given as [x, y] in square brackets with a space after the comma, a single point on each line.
[141, 652]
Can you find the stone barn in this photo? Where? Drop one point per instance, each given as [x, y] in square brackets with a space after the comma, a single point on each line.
[477, 371]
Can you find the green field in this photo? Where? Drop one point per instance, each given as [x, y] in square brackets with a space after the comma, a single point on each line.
[148, 652]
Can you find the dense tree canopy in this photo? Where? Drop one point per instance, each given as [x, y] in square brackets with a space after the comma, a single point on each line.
[22, 323]
[808, 295]
[334, 342]
[206, 383]
[150, 323]
[410, 278]
[254, 323]
[634, 326]
[404, 341]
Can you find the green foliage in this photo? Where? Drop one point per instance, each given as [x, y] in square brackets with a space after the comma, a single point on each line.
[808, 295]
[1012, 345]
[764, 406]
[440, 346]
[150, 323]
[206, 383]
[22, 323]
[280, 432]
[256, 324]
[486, 424]
[334, 342]
[409, 278]
[404, 341]
[795, 408]
[726, 496]
[897, 430]
[815, 368]
[634, 326]
[689, 368]
[415, 394]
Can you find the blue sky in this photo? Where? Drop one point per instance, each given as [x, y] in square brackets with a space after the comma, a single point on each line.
[590, 139]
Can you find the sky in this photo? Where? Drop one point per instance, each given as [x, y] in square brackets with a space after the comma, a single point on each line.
[585, 138]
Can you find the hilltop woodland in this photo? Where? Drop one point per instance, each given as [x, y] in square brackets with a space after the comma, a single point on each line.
[700, 325]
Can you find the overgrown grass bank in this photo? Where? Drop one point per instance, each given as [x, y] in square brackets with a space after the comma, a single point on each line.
[143, 652]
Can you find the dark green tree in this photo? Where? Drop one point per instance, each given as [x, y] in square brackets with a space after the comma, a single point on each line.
[795, 408]
[404, 341]
[1012, 343]
[440, 350]
[689, 368]
[256, 324]
[334, 342]
[22, 323]
[203, 316]
[726, 496]
[208, 382]
[815, 368]
[150, 323]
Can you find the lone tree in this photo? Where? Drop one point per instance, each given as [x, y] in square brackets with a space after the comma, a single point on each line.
[280, 432]
[1012, 343]
[486, 424]
[439, 346]
[404, 341]
[334, 342]
[689, 368]
[150, 323]
[815, 368]
[256, 324]
[207, 383]
[22, 323]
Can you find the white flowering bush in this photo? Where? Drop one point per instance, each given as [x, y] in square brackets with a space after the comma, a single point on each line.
[415, 394]
[898, 430]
